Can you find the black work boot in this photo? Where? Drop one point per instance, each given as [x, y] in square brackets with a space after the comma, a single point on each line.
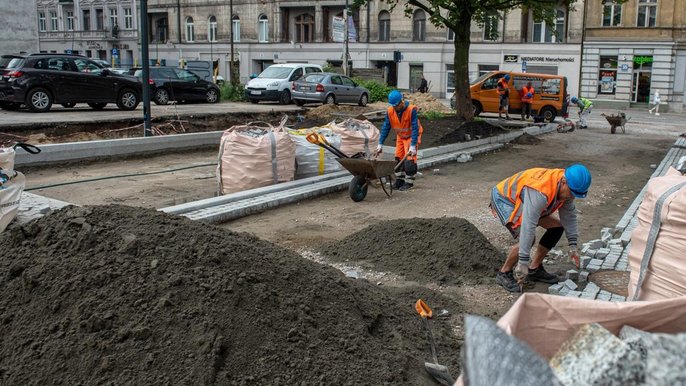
[507, 281]
[407, 186]
[399, 182]
[540, 274]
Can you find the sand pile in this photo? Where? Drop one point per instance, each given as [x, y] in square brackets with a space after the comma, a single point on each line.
[427, 102]
[121, 295]
[443, 250]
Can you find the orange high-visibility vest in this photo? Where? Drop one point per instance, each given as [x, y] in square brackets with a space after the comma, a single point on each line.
[526, 90]
[502, 86]
[403, 127]
[546, 181]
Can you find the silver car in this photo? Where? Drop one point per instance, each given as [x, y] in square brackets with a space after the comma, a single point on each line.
[328, 88]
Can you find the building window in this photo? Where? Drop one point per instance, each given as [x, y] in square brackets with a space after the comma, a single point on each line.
[647, 10]
[113, 17]
[212, 29]
[544, 33]
[70, 20]
[86, 20]
[384, 26]
[607, 75]
[491, 27]
[263, 26]
[53, 21]
[419, 26]
[190, 30]
[304, 28]
[612, 14]
[486, 68]
[236, 28]
[99, 20]
[128, 18]
[451, 35]
[41, 22]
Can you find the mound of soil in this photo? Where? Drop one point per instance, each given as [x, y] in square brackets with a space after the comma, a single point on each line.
[427, 102]
[121, 295]
[443, 250]
[527, 139]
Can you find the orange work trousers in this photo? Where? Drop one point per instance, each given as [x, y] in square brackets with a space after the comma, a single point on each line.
[402, 146]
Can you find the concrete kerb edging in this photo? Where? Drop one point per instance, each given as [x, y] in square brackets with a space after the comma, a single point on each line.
[618, 257]
[236, 205]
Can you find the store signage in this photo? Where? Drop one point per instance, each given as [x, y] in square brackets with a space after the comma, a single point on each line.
[548, 59]
[93, 44]
[510, 58]
[624, 67]
[643, 59]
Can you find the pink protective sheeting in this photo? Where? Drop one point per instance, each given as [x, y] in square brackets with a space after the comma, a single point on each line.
[544, 322]
[254, 155]
[660, 239]
[356, 136]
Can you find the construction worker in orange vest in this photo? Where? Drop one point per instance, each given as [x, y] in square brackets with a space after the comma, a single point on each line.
[504, 93]
[402, 118]
[527, 95]
[529, 199]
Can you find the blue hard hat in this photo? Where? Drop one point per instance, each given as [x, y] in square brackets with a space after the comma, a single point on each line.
[529, 95]
[394, 98]
[574, 99]
[578, 180]
[507, 77]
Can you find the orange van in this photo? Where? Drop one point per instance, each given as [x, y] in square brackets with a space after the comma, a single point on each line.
[550, 97]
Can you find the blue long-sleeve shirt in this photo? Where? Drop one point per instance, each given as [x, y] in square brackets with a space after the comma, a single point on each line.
[386, 128]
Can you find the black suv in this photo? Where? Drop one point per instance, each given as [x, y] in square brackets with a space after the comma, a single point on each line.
[178, 84]
[39, 80]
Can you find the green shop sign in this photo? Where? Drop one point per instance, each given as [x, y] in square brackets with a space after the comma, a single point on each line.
[643, 59]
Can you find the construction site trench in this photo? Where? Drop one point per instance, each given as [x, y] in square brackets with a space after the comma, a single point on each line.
[317, 292]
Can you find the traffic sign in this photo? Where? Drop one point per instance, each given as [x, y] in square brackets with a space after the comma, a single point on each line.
[68, 51]
[523, 65]
[115, 52]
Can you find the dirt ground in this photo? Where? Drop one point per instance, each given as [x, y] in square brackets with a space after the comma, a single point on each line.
[620, 164]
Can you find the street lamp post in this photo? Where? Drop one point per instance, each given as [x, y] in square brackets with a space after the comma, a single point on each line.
[347, 32]
[231, 63]
[146, 68]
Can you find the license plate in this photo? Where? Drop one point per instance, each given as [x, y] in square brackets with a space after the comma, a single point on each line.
[255, 92]
[304, 88]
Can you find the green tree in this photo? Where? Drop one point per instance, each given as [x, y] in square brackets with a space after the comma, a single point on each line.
[458, 15]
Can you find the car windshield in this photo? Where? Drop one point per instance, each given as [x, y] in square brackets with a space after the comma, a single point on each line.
[315, 78]
[276, 72]
[482, 77]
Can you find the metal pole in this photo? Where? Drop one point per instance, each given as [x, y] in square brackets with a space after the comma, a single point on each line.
[231, 63]
[345, 51]
[212, 61]
[146, 68]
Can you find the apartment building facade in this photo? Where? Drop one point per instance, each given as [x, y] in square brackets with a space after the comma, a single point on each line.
[632, 49]
[101, 29]
[266, 32]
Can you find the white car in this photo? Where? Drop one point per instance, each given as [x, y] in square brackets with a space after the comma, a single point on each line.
[274, 83]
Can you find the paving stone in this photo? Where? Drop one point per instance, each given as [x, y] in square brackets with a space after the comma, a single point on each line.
[564, 290]
[573, 294]
[607, 265]
[622, 267]
[584, 260]
[617, 298]
[602, 253]
[596, 357]
[587, 295]
[592, 290]
[555, 289]
[596, 244]
[583, 276]
[585, 248]
[593, 268]
[571, 285]
[595, 262]
[626, 238]
[591, 252]
[572, 274]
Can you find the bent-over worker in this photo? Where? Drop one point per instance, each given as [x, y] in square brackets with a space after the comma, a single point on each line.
[585, 108]
[529, 199]
[401, 116]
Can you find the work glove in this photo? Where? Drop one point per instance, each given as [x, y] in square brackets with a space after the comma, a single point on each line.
[521, 271]
[412, 151]
[574, 256]
[379, 149]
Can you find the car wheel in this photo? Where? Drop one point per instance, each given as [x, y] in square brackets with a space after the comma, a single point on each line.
[285, 97]
[68, 105]
[254, 101]
[128, 99]
[548, 113]
[212, 96]
[330, 100]
[10, 106]
[97, 106]
[363, 100]
[477, 108]
[39, 100]
[299, 102]
[161, 96]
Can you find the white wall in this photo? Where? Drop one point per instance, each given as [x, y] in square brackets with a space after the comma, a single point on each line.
[19, 31]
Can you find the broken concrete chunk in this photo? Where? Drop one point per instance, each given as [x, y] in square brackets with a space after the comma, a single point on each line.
[596, 357]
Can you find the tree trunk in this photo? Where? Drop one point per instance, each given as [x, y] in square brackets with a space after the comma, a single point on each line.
[463, 99]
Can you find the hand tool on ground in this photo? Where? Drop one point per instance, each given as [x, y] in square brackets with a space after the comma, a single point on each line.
[439, 372]
[320, 140]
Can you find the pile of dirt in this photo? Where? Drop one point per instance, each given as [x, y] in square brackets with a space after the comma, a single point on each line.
[330, 112]
[121, 295]
[465, 131]
[427, 102]
[443, 250]
[527, 139]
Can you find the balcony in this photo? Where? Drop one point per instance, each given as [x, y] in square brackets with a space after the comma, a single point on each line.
[101, 35]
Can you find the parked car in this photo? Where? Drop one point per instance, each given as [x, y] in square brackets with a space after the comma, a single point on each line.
[274, 83]
[328, 88]
[5, 60]
[39, 80]
[103, 63]
[177, 84]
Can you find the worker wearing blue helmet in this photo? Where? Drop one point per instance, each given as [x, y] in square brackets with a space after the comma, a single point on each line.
[401, 116]
[530, 199]
[504, 94]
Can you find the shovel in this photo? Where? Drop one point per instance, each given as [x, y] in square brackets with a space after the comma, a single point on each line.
[439, 372]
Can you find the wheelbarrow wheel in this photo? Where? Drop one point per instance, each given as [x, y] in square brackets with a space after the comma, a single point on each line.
[358, 188]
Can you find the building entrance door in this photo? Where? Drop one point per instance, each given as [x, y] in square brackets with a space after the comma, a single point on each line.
[640, 85]
[416, 72]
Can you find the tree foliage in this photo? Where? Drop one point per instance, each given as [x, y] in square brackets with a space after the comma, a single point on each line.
[458, 16]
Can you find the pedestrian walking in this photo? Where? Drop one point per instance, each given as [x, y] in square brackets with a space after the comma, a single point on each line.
[656, 104]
